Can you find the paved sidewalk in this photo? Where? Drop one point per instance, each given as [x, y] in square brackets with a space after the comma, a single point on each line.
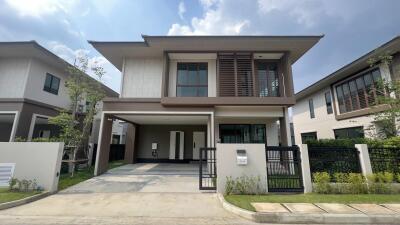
[326, 213]
[330, 208]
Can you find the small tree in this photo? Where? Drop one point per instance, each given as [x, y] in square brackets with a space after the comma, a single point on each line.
[387, 95]
[75, 125]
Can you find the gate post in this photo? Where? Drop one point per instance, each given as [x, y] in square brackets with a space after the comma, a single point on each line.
[365, 161]
[305, 168]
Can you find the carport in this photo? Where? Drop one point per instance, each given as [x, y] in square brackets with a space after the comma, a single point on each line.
[158, 136]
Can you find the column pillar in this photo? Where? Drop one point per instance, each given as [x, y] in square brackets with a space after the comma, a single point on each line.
[365, 161]
[130, 139]
[103, 146]
[285, 128]
[305, 168]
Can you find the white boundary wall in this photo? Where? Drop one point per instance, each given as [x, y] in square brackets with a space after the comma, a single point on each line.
[227, 165]
[34, 160]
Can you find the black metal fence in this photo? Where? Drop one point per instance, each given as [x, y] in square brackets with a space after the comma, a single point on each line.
[284, 169]
[385, 159]
[208, 169]
[334, 160]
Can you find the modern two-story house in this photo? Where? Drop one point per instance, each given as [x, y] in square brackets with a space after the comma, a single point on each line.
[341, 104]
[32, 90]
[181, 93]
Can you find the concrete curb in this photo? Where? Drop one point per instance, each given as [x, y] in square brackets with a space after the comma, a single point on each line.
[296, 218]
[236, 210]
[23, 201]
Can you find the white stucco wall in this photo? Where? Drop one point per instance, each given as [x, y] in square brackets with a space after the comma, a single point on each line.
[212, 75]
[325, 123]
[13, 77]
[37, 77]
[142, 78]
[34, 160]
[227, 165]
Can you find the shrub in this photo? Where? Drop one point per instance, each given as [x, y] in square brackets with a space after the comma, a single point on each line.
[23, 185]
[322, 184]
[341, 185]
[243, 185]
[380, 183]
[229, 185]
[357, 184]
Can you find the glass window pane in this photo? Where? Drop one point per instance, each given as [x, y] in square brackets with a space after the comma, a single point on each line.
[192, 74]
[47, 83]
[368, 79]
[182, 66]
[311, 108]
[202, 91]
[55, 84]
[376, 74]
[186, 92]
[203, 77]
[182, 77]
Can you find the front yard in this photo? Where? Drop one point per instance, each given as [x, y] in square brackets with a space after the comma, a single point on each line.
[243, 201]
[8, 196]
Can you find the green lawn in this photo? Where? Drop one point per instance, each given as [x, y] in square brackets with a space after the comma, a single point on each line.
[67, 181]
[243, 201]
[7, 196]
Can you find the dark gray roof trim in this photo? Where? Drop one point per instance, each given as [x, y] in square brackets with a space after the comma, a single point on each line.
[392, 45]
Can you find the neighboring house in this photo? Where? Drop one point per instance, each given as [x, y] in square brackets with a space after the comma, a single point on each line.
[339, 105]
[181, 93]
[32, 90]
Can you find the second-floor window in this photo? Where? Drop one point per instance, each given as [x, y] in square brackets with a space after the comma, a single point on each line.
[51, 84]
[328, 100]
[192, 80]
[311, 107]
[359, 92]
[267, 79]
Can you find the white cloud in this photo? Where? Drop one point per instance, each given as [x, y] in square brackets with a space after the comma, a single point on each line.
[38, 8]
[213, 22]
[181, 9]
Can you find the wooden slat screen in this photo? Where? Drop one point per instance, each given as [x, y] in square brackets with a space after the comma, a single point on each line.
[235, 74]
[245, 82]
[226, 67]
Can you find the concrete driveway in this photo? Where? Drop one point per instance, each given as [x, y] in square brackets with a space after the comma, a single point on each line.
[131, 194]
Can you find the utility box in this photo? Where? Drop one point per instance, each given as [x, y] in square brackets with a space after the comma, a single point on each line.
[154, 146]
[241, 157]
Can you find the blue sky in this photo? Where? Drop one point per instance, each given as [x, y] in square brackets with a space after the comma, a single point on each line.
[351, 27]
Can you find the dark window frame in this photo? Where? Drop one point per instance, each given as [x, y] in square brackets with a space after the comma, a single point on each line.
[308, 134]
[48, 86]
[198, 83]
[267, 82]
[363, 96]
[328, 102]
[251, 128]
[311, 108]
[348, 134]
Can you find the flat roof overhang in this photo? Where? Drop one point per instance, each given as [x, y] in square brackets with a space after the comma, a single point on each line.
[155, 46]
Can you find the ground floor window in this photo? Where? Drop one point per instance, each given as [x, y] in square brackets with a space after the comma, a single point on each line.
[308, 136]
[242, 133]
[351, 132]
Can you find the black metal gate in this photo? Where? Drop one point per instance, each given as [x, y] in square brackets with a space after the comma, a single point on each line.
[207, 169]
[284, 169]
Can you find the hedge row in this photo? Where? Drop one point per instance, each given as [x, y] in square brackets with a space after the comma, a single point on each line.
[390, 142]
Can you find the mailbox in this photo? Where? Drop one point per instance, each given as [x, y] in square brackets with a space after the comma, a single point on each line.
[241, 157]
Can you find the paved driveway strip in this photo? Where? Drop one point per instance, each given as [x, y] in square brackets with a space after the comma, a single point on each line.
[131, 194]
